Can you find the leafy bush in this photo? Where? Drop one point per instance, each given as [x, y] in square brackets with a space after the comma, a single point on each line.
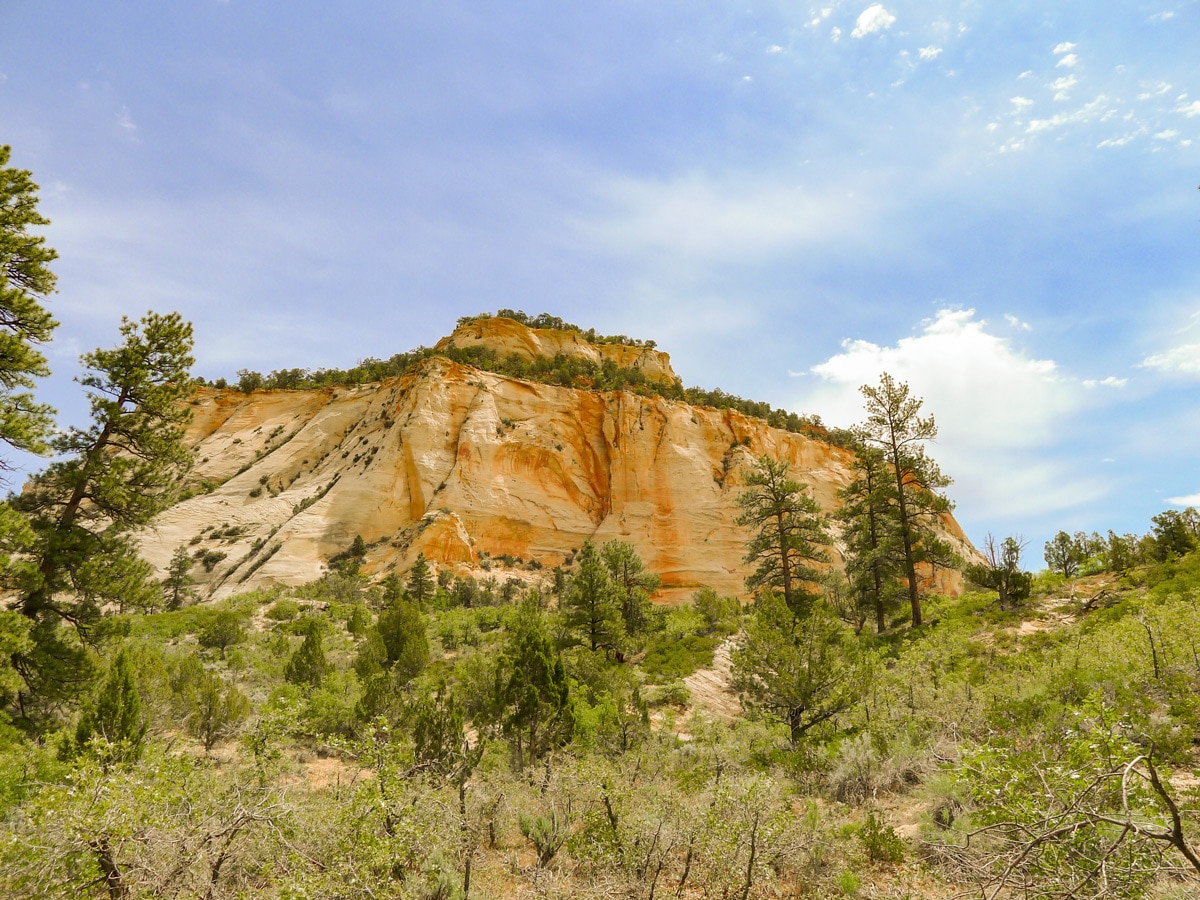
[222, 631]
[881, 841]
[283, 610]
[674, 693]
[671, 656]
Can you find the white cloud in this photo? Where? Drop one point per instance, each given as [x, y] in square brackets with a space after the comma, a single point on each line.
[125, 120]
[1156, 89]
[835, 33]
[1069, 61]
[1191, 110]
[1028, 73]
[1064, 47]
[774, 48]
[1112, 381]
[1062, 87]
[1181, 360]
[929, 53]
[1021, 103]
[1187, 500]
[1169, 135]
[997, 408]
[977, 379]
[1162, 16]
[872, 19]
[820, 17]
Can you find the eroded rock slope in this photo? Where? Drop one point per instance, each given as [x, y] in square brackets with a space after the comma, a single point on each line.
[467, 467]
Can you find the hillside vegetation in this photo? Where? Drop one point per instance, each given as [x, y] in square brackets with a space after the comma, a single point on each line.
[355, 740]
[561, 369]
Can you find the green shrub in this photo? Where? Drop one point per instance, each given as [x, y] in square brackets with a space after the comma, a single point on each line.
[674, 694]
[672, 656]
[283, 610]
[222, 631]
[720, 614]
[881, 841]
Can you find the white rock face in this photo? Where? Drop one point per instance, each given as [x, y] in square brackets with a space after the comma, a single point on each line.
[464, 465]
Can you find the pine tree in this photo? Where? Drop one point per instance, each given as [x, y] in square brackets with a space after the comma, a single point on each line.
[222, 631]
[372, 657]
[25, 282]
[591, 604]
[895, 427]
[788, 534]
[115, 476]
[633, 581]
[115, 717]
[869, 534]
[532, 694]
[438, 731]
[1001, 571]
[177, 586]
[214, 709]
[308, 666]
[403, 634]
[420, 582]
[803, 673]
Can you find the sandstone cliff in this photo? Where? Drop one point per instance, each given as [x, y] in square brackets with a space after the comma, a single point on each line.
[469, 466]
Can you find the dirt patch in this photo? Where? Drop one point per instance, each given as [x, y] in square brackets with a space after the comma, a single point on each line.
[326, 772]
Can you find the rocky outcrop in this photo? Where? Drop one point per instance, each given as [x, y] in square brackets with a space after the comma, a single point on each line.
[506, 336]
[477, 471]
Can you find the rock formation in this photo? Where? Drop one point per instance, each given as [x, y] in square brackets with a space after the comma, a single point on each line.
[478, 471]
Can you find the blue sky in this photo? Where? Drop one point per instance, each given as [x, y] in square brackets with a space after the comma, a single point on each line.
[996, 202]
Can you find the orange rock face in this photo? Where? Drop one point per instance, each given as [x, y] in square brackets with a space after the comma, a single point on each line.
[467, 466]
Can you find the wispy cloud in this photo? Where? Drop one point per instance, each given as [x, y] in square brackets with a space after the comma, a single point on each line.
[708, 219]
[1154, 89]
[1087, 113]
[1181, 360]
[1015, 322]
